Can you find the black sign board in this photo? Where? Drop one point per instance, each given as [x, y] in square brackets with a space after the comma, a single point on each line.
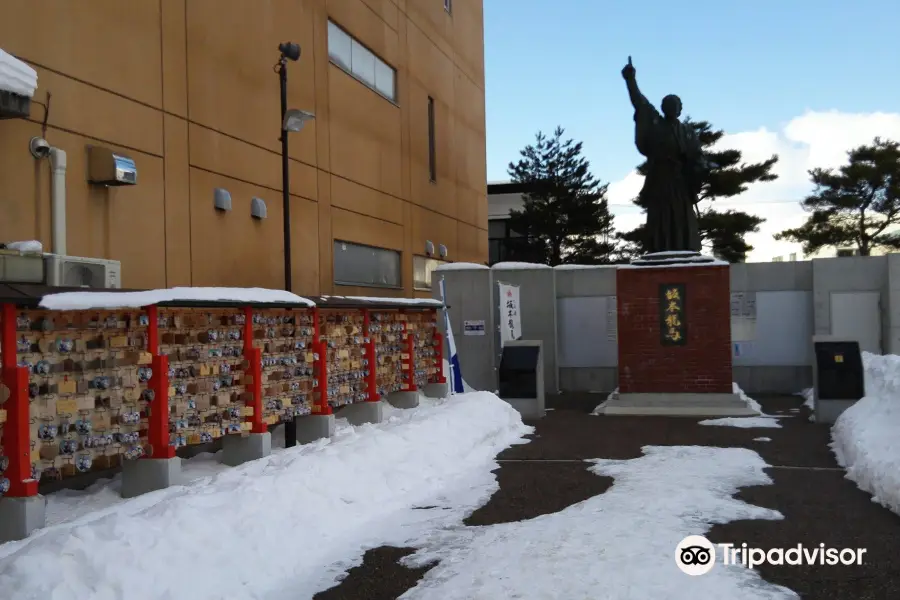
[518, 372]
[840, 371]
[672, 323]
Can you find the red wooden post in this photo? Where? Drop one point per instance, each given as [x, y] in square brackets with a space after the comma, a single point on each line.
[158, 407]
[371, 378]
[439, 356]
[17, 429]
[322, 376]
[152, 329]
[410, 362]
[253, 356]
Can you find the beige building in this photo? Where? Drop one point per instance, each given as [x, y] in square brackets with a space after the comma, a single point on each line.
[389, 176]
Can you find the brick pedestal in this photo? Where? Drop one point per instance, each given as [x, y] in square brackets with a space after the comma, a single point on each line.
[674, 338]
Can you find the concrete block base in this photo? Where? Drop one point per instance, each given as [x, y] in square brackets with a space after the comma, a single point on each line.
[531, 409]
[238, 449]
[828, 411]
[20, 516]
[362, 413]
[149, 474]
[437, 390]
[314, 427]
[403, 399]
[677, 405]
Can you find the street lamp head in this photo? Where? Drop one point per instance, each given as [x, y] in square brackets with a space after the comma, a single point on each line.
[290, 50]
[295, 119]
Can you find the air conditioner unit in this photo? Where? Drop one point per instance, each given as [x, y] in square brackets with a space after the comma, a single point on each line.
[77, 271]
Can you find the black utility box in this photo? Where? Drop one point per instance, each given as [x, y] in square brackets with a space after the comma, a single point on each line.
[518, 372]
[839, 369]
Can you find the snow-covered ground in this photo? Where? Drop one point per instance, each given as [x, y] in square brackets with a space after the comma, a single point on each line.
[620, 544]
[866, 437]
[292, 524]
[282, 527]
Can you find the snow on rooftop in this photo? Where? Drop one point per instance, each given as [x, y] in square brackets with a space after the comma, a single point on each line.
[518, 266]
[106, 300]
[388, 300]
[864, 437]
[582, 267]
[16, 76]
[461, 266]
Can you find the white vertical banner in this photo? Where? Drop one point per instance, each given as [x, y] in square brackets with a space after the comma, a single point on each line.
[510, 314]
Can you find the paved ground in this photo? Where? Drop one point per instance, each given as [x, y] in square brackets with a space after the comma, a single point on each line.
[819, 505]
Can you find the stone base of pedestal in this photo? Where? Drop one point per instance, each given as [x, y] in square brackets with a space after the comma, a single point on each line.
[314, 427]
[238, 449]
[362, 413]
[677, 405]
[21, 516]
[674, 327]
[146, 475]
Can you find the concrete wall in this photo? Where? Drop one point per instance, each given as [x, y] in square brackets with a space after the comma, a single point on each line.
[776, 309]
[186, 88]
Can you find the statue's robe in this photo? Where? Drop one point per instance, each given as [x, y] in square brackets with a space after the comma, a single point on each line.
[674, 168]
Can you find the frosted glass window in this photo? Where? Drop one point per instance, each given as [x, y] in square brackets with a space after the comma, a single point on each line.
[339, 45]
[352, 56]
[355, 264]
[384, 79]
[363, 65]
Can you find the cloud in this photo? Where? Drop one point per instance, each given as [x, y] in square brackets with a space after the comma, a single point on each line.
[814, 139]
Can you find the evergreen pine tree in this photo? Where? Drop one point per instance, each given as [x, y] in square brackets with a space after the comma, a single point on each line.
[565, 217]
[857, 205]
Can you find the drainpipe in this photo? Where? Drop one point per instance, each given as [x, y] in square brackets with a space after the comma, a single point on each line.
[58, 200]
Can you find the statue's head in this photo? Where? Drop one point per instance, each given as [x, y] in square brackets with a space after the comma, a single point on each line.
[671, 107]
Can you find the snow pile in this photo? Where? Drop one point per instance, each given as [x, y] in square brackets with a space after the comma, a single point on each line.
[762, 422]
[28, 246]
[283, 526]
[620, 544]
[866, 437]
[389, 300]
[809, 402]
[762, 439]
[751, 403]
[461, 266]
[96, 300]
[16, 76]
[598, 410]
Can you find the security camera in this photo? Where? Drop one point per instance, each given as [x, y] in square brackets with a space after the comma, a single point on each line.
[39, 147]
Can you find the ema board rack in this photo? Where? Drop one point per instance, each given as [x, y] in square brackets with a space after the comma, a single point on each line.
[386, 332]
[87, 387]
[287, 341]
[207, 396]
[344, 344]
[424, 342]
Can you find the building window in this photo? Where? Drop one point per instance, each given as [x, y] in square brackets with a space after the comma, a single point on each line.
[448, 6]
[432, 159]
[423, 267]
[352, 56]
[355, 264]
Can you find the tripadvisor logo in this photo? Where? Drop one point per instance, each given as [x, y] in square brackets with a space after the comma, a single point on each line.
[696, 555]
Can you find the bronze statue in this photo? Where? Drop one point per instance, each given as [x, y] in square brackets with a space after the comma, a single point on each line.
[675, 167]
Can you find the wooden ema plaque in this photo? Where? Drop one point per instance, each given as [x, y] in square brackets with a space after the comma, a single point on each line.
[344, 335]
[386, 330]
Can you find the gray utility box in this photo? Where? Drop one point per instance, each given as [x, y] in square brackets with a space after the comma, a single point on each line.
[521, 377]
[838, 377]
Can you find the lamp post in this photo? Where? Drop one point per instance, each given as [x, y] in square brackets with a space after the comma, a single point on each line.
[291, 120]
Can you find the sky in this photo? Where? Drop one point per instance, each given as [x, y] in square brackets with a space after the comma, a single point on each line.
[804, 79]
